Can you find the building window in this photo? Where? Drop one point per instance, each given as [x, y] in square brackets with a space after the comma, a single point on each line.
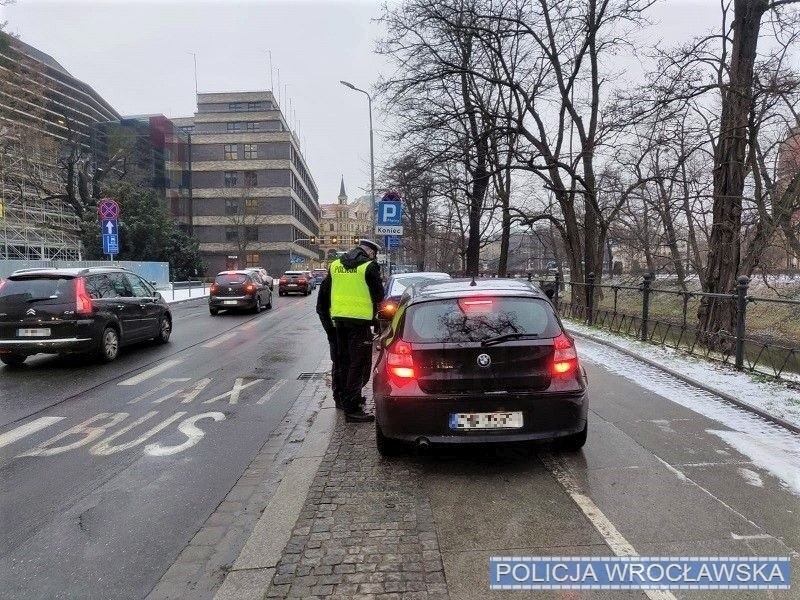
[250, 151]
[235, 127]
[253, 259]
[251, 206]
[331, 226]
[251, 233]
[250, 179]
[236, 106]
[231, 206]
[231, 152]
[254, 106]
[253, 126]
[230, 179]
[231, 234]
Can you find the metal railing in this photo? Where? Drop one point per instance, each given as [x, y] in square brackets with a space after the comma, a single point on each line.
[758, 343]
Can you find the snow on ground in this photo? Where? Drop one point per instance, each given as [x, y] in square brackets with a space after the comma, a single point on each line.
[772, 397]
[766, 444]
[180, 294]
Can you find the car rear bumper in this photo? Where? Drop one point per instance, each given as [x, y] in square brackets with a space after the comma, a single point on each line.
[231, 302]
[543, 417]
[48, 346]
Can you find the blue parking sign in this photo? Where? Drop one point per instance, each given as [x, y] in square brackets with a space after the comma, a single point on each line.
[390, 212]
[392, 242]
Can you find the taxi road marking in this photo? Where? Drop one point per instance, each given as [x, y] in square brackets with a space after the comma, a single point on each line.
[615, 540]
[166, 382]
[221, 339]
[268, 396]
[9, 437]
[233, 395]
[145, 375]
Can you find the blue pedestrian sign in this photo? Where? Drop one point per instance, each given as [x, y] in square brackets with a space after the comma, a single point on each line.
[390, 212]
[110, 243]
[392, 242]
[109, 227]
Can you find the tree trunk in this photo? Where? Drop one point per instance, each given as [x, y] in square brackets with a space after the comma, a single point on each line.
[730, 170]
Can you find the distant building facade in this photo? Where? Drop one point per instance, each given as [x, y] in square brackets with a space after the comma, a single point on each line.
[42, 108]
[253, 197]
[343, 223]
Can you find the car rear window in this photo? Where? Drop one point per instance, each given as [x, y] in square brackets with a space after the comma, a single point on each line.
[37, 288]
[476, 319]
[231, 279]
[399, 284]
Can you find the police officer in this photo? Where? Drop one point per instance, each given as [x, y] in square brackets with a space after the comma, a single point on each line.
[348, 298]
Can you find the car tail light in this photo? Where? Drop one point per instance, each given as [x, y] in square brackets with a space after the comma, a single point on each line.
[83, 302]
[213, 289]
[283, 280]
[249, 288]
[400, 363]
[302, 280]
[2, 283]
[565, 357]
[476, 305]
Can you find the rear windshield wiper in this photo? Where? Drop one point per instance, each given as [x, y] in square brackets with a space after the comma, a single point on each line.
[509, 336]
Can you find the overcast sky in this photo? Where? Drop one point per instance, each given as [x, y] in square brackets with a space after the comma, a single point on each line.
[138, 56]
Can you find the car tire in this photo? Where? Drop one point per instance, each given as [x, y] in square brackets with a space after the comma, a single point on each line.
[269, 302]
[213, 312]
[13, 360]
[281, 293]
[576, 441]
[109, 345]
[164, 330]
[257, 308]
[387, 447]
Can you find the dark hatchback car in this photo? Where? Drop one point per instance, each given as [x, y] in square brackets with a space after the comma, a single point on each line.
[239, 290]
[478, 363]
[294, 282]
[95, 310]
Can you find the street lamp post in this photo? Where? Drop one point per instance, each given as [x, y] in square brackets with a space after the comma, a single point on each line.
[371, 151]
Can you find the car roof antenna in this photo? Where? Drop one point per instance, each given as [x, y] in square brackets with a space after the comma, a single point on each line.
[472, 283]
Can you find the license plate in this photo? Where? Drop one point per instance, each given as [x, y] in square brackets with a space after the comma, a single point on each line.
[230, 302]
[292, 285]
[33, 332]
[491, 420]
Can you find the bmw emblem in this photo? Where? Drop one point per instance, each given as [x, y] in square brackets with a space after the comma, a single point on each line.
[484, 360]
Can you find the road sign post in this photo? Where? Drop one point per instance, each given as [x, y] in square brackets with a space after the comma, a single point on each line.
[390, 222]
[108, 211]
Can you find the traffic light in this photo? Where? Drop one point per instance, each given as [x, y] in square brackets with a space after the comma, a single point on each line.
[312, 239]
[334, 240]
[355, 240]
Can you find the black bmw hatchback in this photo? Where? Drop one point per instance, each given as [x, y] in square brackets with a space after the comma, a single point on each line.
[478, 362]
[94, 310]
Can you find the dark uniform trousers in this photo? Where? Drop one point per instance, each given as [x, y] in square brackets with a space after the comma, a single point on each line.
[353, 360]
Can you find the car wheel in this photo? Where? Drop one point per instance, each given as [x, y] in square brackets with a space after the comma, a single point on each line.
[13, 360]
[257, 307]
[576, 441]
[269, 302]
[164, 330]
[109, 345]
[281, 293]
[213, 311]
[386, 446]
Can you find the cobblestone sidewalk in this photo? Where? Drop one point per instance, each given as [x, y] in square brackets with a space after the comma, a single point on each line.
[366, 529]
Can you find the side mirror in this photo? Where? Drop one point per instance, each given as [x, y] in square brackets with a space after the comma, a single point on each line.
[154, 283]
[550, 292]
[158, 296]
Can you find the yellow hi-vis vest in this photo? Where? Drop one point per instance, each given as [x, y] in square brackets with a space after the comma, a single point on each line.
[350, 297]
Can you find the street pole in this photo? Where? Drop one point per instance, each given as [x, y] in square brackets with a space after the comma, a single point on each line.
[371, 151]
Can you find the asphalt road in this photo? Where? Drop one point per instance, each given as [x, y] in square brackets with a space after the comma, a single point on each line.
[133, 456]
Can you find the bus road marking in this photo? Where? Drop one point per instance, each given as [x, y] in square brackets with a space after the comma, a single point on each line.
[9, 437]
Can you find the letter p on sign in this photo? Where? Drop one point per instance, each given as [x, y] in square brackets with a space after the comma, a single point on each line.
[389, 213]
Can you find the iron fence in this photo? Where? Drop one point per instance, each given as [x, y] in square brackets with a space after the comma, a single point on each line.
[669, 318]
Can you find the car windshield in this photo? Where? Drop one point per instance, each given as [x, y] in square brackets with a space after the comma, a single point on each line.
[231, 279]
[399, 284]
[39, 288]
[477, 319]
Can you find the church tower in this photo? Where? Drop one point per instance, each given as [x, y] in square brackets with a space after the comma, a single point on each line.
[342, 193]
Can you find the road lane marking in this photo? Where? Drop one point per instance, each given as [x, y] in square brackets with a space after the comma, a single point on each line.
[9, 437]
[220, 340]
[268, 396]
[615, 540]
[145, 375]
[233, 395]
[166, 382]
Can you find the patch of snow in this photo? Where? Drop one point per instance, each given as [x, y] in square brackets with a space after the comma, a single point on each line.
[766, 444]
[180, 294]
[751, 477]
[771, 396]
